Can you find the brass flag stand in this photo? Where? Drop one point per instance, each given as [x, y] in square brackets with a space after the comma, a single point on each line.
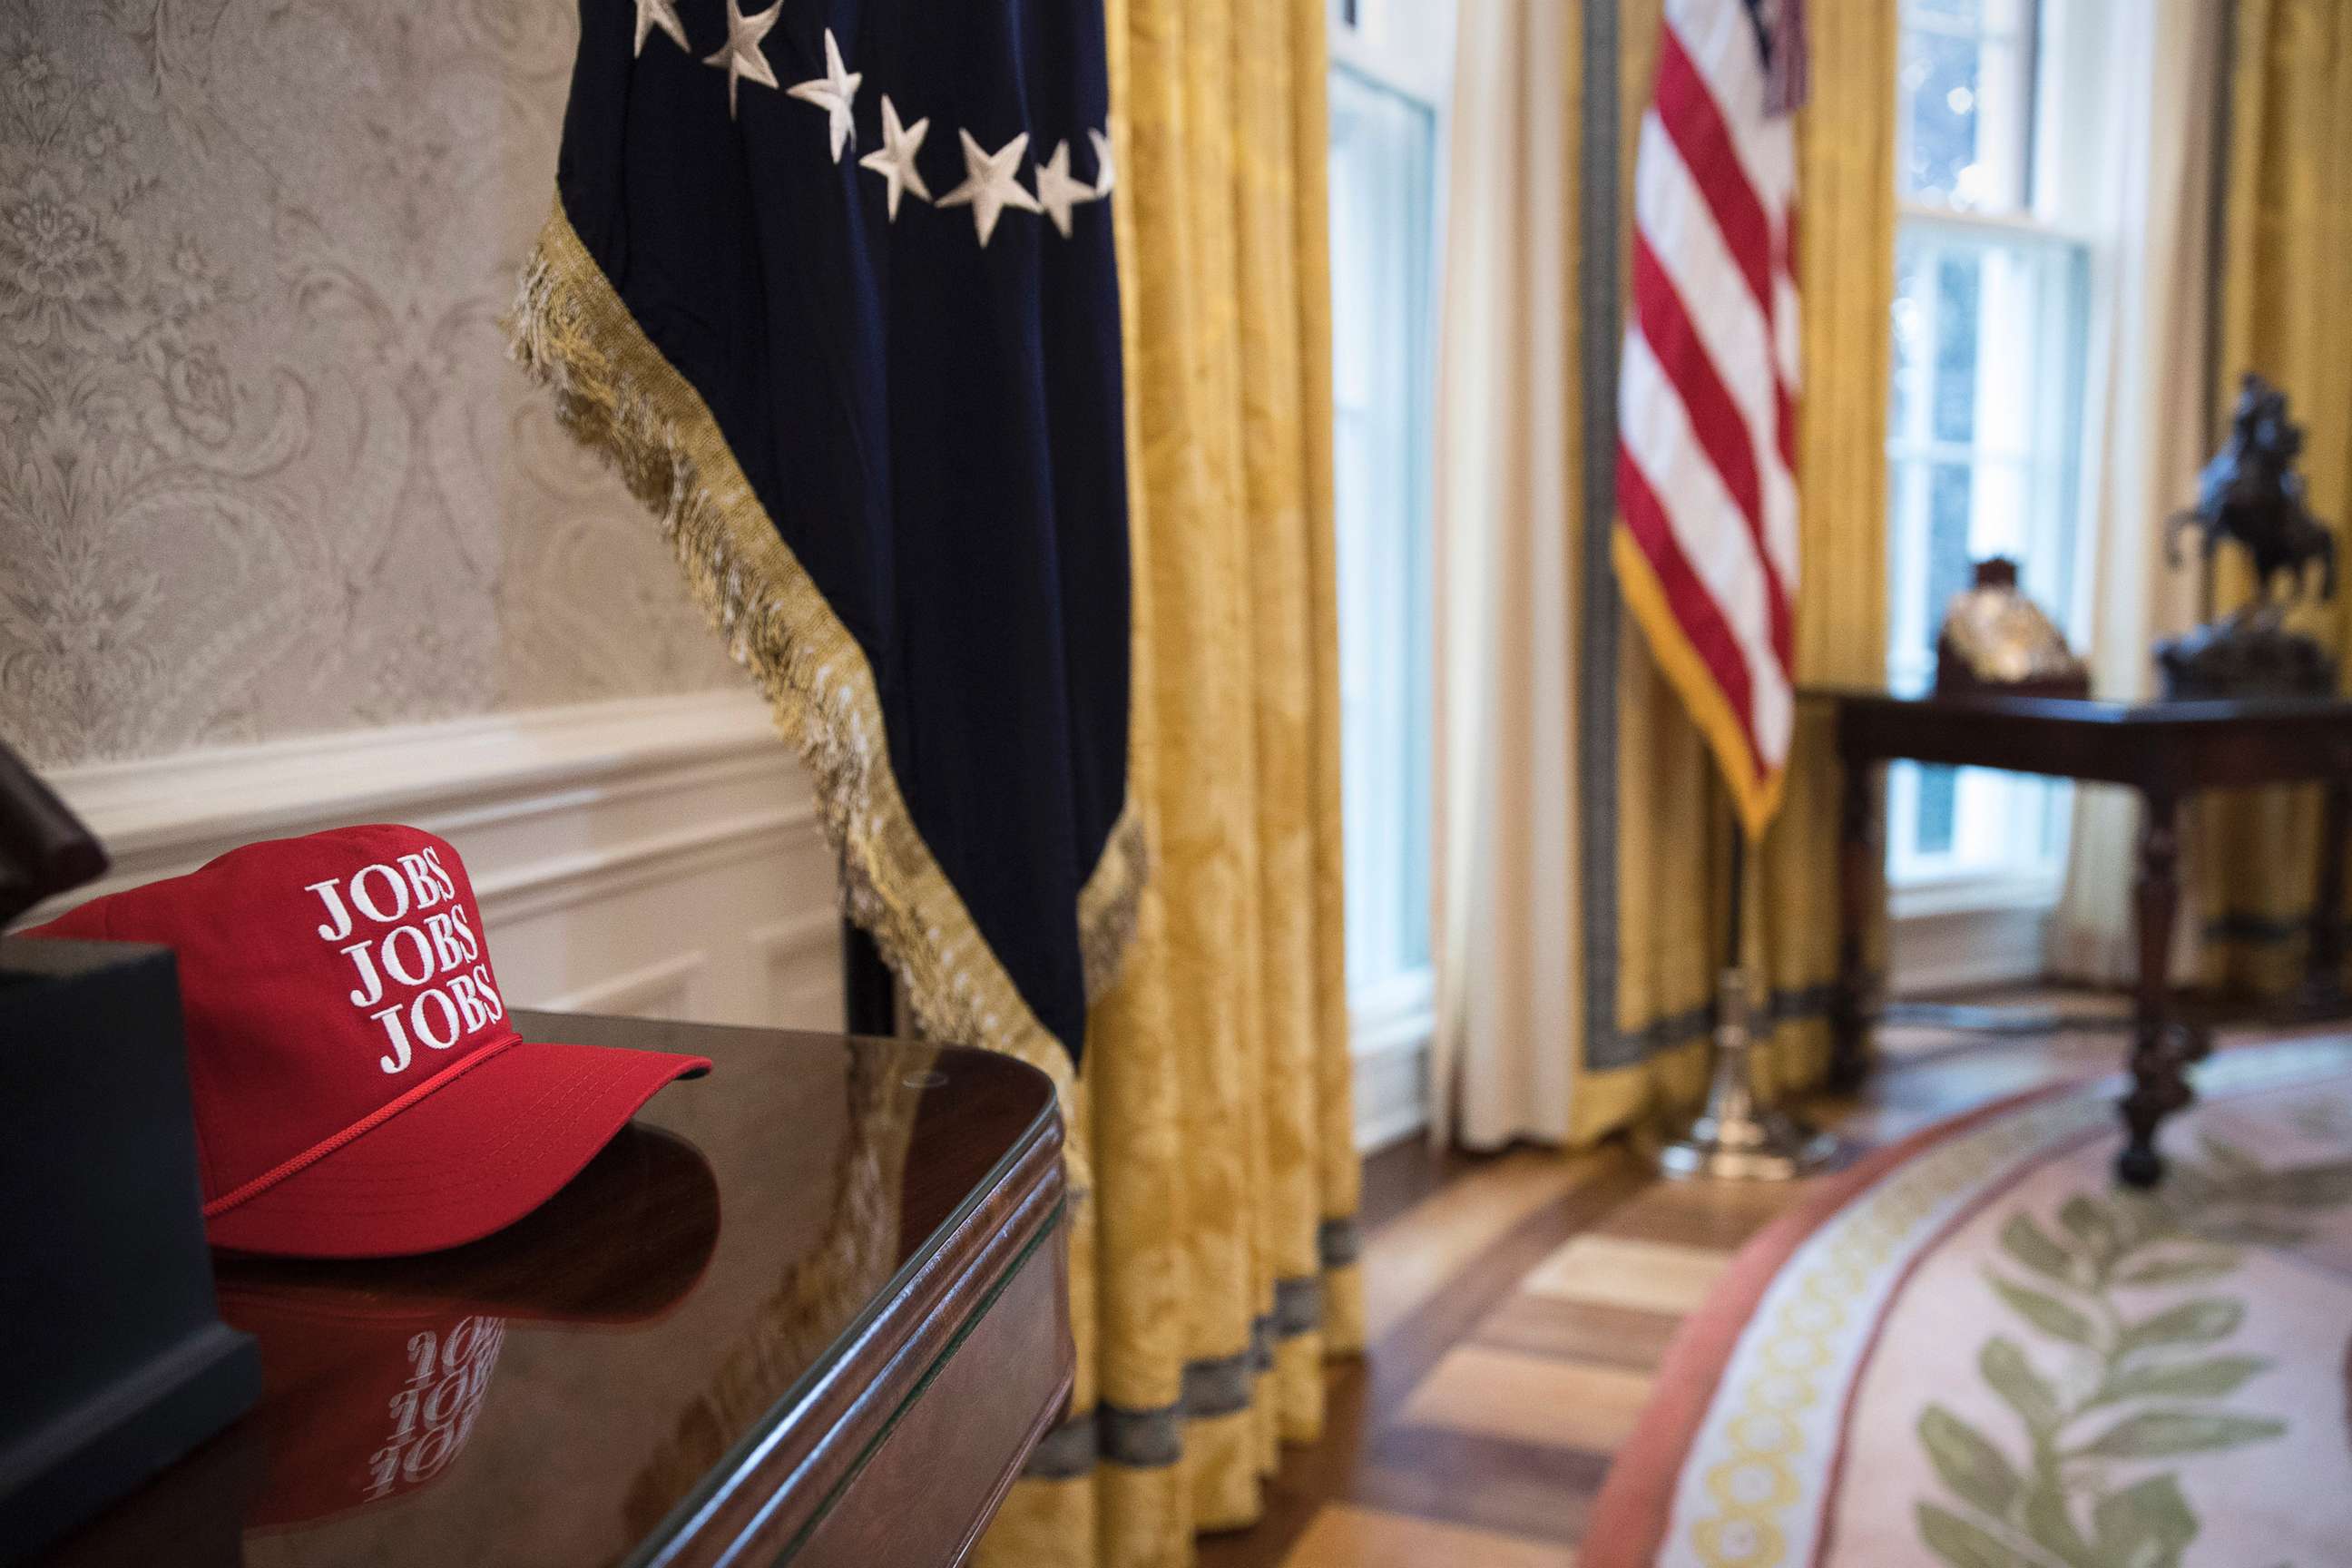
[1735, 1136]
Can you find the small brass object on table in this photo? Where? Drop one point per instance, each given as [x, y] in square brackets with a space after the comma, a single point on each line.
[1735, 1136]
[1994, 638]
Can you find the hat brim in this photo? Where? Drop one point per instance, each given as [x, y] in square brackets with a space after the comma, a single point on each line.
[471, 1158]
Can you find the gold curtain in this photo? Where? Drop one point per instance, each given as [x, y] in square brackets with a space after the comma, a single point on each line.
[1673, 821]
[2286, 274]
[1212, 1269]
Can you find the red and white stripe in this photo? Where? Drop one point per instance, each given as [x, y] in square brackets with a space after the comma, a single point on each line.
[1706, 400]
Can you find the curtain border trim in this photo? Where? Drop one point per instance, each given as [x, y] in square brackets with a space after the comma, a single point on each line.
[1602, 328]
[1152, 1437]
[2259, 929]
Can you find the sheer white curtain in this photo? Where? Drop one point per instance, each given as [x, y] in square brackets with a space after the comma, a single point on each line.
[1510, 982]
[2146, 420]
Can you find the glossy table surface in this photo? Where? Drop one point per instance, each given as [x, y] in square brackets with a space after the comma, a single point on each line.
[2180, 747]
[688, 1355]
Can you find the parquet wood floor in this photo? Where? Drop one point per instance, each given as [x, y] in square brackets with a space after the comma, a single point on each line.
[1519, 1304]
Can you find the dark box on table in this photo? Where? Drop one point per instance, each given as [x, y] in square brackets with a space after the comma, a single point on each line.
[118, 1362]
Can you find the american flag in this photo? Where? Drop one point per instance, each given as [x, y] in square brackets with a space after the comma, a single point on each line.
[1706, 547]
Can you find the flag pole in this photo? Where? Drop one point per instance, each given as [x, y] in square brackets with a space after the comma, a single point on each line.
[1735, 1136]
[1734, 932]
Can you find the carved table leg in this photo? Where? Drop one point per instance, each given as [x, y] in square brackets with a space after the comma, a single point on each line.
[2160, 1051]
[2322, 975]
[1858, 867]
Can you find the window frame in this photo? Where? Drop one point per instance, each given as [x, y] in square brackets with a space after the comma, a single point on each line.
[1404, 48]
[2040, 231]
[1404, 282]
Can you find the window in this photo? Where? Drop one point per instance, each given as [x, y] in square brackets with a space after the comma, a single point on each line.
[1989, 323]
[1383, 106]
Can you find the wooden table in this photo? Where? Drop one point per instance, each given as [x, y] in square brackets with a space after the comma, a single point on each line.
[2166, 750]
[812, 1308]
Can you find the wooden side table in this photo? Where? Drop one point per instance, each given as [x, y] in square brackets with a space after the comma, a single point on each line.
[2166, 750]
[812, 1308]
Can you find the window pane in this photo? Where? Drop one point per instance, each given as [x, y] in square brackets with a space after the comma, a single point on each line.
[1938, 792]
[1383, 152]
[1966, 119]
[1956, 284]
[1933, 559]
[1914, 325]
[1967, 14]
[1949, 487]
[1939, 103]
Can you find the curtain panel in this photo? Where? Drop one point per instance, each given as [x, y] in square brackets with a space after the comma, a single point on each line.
[1585, 841]
[1212, 1267]
[1510, 470]
[2145, 427]
[2286, 270]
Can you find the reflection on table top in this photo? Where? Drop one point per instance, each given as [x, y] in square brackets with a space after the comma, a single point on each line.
[2092, 709]
[561, 1392]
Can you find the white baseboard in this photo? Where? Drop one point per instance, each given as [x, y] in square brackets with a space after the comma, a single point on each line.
[650, 855]
[1387, 1035]
[1957, 949]
[1391, 1094]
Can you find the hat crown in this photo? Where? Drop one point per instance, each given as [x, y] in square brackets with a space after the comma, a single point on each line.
[321, 979]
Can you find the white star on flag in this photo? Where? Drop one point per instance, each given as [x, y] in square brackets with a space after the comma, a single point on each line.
[662, 14]
[1057, 192]
[1103, 173]
[740, 56]
[832, 92]
[991, 184]
[894, 159]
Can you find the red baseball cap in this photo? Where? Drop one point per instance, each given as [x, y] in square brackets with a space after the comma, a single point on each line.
[359, 1089]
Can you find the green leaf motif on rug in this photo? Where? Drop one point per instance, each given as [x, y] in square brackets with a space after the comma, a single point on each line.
[2126, 1386]
[1969, 1462]
[2167, 1434]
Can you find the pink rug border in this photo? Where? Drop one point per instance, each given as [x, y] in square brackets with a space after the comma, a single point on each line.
[1629, 1519]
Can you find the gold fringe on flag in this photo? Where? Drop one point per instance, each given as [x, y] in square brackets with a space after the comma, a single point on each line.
[617, 394]
[1110, 902]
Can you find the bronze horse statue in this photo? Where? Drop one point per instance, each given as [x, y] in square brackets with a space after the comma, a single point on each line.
[2251, 492]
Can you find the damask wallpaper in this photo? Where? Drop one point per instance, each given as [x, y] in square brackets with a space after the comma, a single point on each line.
[265, 468]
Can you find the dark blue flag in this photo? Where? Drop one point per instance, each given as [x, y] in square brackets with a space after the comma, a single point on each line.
[832, 282]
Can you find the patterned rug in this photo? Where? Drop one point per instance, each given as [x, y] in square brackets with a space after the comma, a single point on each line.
[1976, 1351]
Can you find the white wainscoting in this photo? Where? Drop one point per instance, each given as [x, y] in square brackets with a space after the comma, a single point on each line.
[660, 857]
[653, 856]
